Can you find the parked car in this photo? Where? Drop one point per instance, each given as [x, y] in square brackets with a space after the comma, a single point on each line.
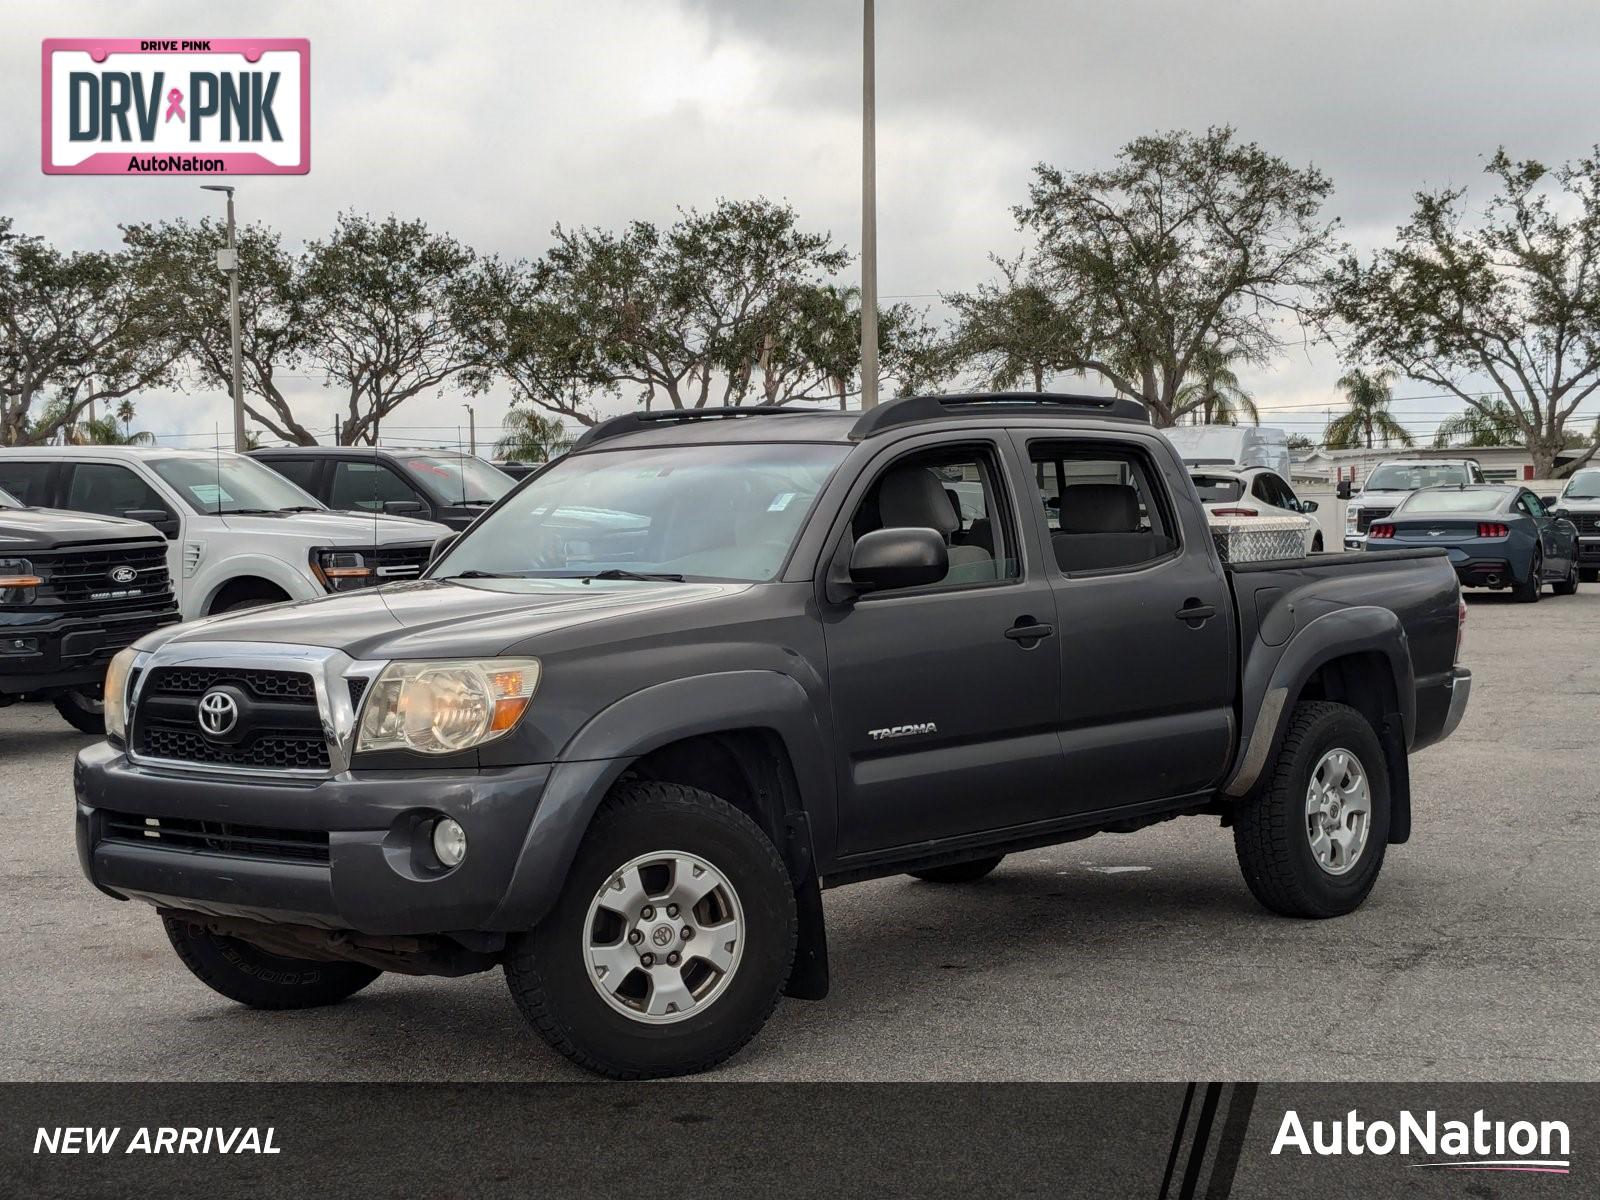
[435, 485]
[74, 590]
[1497, 536]
[517, 470]
[1391, 482]
[1580, 501]
[238, 535]
[1256, 492]
[620, 758]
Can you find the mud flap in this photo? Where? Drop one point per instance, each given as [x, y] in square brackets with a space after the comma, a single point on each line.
[808, 979]
[1392, 738]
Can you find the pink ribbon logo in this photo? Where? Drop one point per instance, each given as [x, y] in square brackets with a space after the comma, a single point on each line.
[175, 105]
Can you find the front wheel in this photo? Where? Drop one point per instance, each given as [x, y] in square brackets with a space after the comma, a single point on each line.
[671, 942]
[1528, 590]
[1569, 585]
[252, 976]
[1312, 841]
[83, 709]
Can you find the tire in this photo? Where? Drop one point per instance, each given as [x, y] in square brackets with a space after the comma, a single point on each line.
[258, 979]
[966, 872]
[557, 985]
[1569, 585]
[83, 709]
[1316, 544]
[1529, 589]
[1270, 831]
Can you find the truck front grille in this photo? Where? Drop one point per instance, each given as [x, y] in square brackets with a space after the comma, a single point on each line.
[80, 578]
[1588, 523]
[400, 562]
[217, 837]
[278, 727]
[1366, 516]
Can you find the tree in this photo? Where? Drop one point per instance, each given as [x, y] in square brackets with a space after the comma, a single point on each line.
[526, 436]
[1510, 299]
[176, 261]
[1369, 418]
[1299, 443]
[1188, 242]
[677, 313]
[75, 329]
[388, 306]
[104, 431]
[1213, 394]
[1493, 425]
[1012, 331]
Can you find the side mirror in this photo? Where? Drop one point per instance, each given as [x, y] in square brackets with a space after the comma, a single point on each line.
[1308, 506]
[899, 558]
[1558, 514]
[441, 547]
[165, 522]
[1550, 501]
[401, 508]
[1343, 489]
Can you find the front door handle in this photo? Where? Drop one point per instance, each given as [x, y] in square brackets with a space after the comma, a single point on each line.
[1030, 632]
[1195, 613]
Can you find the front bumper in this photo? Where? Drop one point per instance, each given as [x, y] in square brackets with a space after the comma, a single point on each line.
[1589, 551]
[376, 878]
[71, 651]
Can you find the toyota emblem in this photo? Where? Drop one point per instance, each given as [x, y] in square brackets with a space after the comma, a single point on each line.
[123, 574]
[219, 713]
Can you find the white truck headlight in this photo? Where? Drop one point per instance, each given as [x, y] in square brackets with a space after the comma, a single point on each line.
[1350, 515]
[442, 707]
[116, 693]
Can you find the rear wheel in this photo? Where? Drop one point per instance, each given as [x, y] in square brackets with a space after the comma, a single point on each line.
[671, 942]
[966, 872]
[83, 709]
[246, 973]
[1528, 590]
[1569, 585]
[1312, 842]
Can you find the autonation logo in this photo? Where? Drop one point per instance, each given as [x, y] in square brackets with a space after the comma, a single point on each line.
[1481, 1144]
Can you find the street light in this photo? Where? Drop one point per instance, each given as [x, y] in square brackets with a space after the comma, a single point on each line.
[869, 214]
[228, 264]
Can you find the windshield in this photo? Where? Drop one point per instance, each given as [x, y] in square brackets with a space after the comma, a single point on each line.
[723, 512]
[457, 478]
[1216, 489]
[1585, 485]
[230, 484]
[1397, 478]
[1452, 501]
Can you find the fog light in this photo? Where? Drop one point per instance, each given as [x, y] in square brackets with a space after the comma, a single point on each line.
[449, 842]
[19, 646]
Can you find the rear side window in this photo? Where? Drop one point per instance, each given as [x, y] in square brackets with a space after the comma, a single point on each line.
[302, 471]
[1104, 506]
[29, 482]
[367, 487]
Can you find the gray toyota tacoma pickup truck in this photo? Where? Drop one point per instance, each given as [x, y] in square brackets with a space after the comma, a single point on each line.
[642, 712]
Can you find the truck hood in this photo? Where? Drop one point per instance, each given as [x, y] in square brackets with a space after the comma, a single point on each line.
[428, 618]
[1574, 505]
[23, 529]
[1366, 499]
[337, 529]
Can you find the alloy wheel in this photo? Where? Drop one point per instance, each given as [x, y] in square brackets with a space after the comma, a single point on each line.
[1338, 811]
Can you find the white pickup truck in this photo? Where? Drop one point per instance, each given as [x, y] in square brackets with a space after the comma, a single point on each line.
[239, 534]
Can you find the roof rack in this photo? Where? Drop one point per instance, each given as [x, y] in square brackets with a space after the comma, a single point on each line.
[932, 408]
[635, 421]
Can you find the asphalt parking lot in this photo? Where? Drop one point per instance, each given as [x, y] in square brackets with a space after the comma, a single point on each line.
[1116, 958]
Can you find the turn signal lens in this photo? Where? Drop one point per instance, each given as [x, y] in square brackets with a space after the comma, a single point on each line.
[1492, 529]
[445, 707]
[1381, 531]
[341, 570]
[116, 694]
[18, 583]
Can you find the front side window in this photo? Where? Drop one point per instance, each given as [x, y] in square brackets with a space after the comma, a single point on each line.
[229, 484]
[1103, 505]
[718, 512]
[456, 478]
[954, 491]
[110, 491]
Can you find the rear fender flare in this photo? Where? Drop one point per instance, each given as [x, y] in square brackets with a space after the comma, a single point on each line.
[600, 752]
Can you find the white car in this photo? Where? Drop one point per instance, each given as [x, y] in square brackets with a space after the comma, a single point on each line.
[1390, 483]
[1255, 492]
[1580, 500]
[239, 534]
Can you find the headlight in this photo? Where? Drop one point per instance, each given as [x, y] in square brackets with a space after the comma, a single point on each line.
[1350, 515]
[341, 570]
[18, 583]
[443, 707]
[116, 694]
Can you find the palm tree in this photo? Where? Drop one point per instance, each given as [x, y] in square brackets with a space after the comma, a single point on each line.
[104, 431]
[1213, 393]
[1477, 428]
[1369, 418]
[528, 437]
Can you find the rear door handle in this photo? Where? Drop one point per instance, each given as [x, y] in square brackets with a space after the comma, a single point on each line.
[1194, 611]
[1031, 632]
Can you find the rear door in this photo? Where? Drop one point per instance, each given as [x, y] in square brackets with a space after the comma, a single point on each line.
[1147, 642]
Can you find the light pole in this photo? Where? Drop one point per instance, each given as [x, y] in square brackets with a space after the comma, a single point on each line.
[869, 217]
[228, 264]
[472, 430]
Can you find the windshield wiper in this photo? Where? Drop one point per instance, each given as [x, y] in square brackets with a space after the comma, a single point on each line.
[484, 575]
[646, 576]
[300, 508]
[251, 512]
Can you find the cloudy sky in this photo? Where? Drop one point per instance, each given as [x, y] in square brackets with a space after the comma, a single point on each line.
[497, 120]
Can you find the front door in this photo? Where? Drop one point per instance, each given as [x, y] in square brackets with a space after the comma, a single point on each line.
[945, 698]
[1146, 645]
